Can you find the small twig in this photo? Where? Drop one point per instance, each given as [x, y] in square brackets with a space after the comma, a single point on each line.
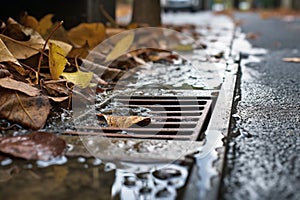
[7, 128]
[76, 63]
[28, 67]
[108, 17]
[46, 42]
[20, 102]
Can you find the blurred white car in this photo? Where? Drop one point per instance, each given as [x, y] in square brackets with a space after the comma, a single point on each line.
[192, 5]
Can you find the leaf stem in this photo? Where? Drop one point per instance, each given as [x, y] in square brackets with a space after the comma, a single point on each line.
[44, 47]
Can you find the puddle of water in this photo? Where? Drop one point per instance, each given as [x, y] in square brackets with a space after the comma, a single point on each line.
[150, 183]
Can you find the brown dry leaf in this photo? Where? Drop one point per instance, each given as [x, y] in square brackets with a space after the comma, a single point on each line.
[45, 24]
[12, 84]
[30, 112]
[56, 88]
[29, 21]
[292, 59]
[34, 146]
[6, 55]
[92, 33]
[14, 30]
[57, 60]
[25, 49]
[81, 52]
[124, 121]
[58, 99]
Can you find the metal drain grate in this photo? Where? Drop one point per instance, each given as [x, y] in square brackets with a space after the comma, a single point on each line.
[179, 118]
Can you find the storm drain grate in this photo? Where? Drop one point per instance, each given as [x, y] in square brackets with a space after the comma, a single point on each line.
[179, 118]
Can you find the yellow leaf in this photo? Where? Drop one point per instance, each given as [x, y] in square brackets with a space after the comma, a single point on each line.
[79, 78]
[57, 60]
[121, 47]
[124, 121]
[93, 33]
[45, 24]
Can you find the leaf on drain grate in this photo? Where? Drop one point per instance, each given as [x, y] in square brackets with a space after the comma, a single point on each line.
[124, 121]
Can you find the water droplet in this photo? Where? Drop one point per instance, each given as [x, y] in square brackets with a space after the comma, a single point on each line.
[97, 161]
[55, 161]
[81, 159]
[109, 167]
[6, 161]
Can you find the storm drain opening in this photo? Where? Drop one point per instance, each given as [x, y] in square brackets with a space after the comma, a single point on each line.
[171, 117]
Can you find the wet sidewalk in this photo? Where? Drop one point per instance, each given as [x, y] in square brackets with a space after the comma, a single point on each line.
[263, 154]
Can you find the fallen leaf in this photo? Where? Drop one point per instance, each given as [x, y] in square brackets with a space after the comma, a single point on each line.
[12, 84]
[6, 55]
[14, 30]
[4, 73]
[292, 59]
[79, 78]
[45, 24]
[57, 60]
[25, 49]
[30, 112]
[34, 146]
[57, 88]
[65, 46]
[81, 52]
[124, 121]
[121, 47]
[92, 33]
[29, 21]
[58, 99]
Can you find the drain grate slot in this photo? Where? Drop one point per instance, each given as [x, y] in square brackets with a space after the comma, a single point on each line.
[179, 118]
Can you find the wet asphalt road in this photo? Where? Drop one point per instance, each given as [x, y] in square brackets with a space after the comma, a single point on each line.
[263, 160]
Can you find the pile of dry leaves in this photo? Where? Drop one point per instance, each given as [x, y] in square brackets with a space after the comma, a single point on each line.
[41, 62]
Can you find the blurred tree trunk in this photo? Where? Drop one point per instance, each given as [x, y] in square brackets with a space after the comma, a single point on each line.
[286, 4]
[146, 11]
